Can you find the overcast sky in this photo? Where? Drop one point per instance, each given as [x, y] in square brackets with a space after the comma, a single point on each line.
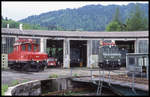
[18, 10]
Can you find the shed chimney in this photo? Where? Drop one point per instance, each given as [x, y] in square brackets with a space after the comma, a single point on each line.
[7, 25]
[20, 27]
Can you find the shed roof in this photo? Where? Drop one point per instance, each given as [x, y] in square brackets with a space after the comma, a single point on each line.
[80, 34]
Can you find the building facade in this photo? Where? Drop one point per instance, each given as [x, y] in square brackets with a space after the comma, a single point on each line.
[88, 42]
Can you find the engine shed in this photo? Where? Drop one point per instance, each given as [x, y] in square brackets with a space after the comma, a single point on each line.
[77, 48]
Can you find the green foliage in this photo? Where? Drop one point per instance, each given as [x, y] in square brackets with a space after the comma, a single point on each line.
[23, 81]
[14, 24]
[34, 27]
[116, 24]
[14, 82]
[113, 26]
[4, 89]
[53, 76]
[75, 75]
[137, 21]
[2, 17]
[70, 93]
[117, 15]
[87, 18]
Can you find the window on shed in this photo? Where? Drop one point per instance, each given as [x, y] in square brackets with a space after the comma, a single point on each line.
[143, 46]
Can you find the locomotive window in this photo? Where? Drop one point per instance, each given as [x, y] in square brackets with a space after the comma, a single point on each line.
[23, 47]
[29, 47]
[35, 47]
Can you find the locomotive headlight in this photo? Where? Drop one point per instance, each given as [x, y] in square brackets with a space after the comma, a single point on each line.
[37, 61]
[119, 62]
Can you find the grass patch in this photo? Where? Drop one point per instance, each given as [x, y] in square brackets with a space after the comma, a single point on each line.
[75, 75]
[4, 89]
[25, 80]
[14, 82]
[53, 76]
[71, 93]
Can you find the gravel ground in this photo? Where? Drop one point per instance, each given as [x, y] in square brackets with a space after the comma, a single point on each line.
[8, 75]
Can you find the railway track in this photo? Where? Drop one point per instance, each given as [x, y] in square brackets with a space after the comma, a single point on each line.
[126, 78]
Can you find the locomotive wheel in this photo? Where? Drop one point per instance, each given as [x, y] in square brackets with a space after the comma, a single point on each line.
[26, 67]
[37, 68]
[32, 67]
[42, 68]
[11, 67]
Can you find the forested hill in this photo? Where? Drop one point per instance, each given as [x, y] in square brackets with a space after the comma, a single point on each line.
[89, 18]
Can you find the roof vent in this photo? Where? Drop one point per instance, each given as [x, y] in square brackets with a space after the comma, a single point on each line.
[7, 25]
[20, 27]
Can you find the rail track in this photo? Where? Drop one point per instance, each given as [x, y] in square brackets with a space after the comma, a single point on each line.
[124, 77]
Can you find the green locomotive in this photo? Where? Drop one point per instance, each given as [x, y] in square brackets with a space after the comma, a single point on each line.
[109, 56]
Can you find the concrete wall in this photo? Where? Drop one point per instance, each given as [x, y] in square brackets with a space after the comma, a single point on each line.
[66, 53]
[39, 87]
[89, 54]
[26, 89]
[43, 45]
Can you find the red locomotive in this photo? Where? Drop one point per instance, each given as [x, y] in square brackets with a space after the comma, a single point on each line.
[26, 56]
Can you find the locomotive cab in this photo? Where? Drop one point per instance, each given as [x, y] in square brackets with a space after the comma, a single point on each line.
[26, 56]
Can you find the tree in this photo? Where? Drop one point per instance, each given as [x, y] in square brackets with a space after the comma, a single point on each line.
[137, 21]
[117, 15]
[115, 24]
[6, 19]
